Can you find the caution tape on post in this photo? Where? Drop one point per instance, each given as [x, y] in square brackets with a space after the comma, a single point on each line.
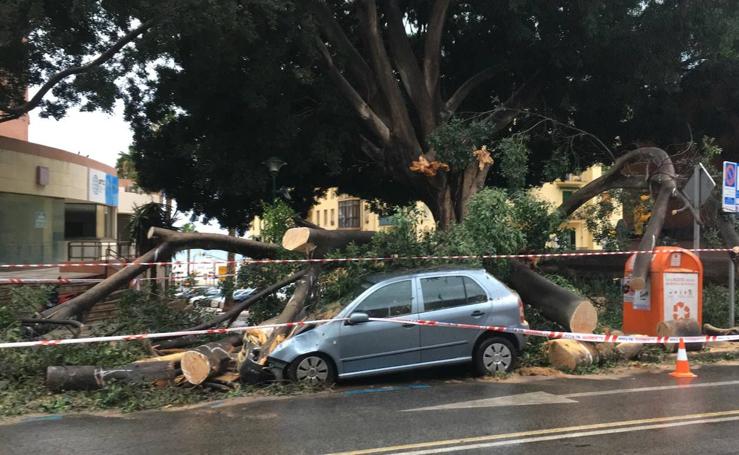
[589, 337]
[368, 259]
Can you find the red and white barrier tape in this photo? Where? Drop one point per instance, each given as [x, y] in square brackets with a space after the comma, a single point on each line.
[370, 259]
[98, 280]
[590, 337]
[149, 336]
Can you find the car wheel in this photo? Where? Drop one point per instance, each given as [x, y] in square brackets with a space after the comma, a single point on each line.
[495, 355]
[314, 369]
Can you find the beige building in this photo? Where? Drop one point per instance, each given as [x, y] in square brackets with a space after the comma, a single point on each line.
[558, 191]
[56, 205]
[131, 196]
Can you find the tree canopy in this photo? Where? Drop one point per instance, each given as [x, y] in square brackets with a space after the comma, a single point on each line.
[358, 93]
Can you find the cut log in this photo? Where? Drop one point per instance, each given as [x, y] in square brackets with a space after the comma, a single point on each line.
[203, 362]
[319, 241]
[568, 355]
[709, 329]
[680, 328]
[59, 378]
[576, 313]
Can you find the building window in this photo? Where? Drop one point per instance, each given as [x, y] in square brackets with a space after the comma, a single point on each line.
[325, 217]
[333, 216]
[567, 194]
[387, 220]
[349, 214]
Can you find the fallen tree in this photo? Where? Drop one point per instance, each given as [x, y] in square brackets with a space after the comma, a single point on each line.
[317, 242]
[572, 311]
[172, 242]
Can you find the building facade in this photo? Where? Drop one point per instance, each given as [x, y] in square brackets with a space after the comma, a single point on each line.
[558, 191]
[57, 206]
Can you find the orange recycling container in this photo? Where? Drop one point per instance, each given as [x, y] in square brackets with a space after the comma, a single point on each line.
[674, 290]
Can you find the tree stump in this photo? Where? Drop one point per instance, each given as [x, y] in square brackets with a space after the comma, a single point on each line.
[680, 328]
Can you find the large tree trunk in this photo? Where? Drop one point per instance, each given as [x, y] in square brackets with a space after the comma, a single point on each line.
[574, 312]
[317, 242]
[59, 378]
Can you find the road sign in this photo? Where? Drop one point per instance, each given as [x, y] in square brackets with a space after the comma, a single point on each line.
[729, 200]
[704, 187]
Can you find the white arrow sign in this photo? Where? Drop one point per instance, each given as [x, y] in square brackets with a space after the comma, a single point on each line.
[524, 399]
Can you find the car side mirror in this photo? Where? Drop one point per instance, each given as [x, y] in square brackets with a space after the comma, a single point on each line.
[357, 318]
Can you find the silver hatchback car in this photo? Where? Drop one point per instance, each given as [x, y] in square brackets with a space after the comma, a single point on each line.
[359, 347]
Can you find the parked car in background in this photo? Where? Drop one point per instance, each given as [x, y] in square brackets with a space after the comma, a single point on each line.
[360, 347]
[239, 295]
[206, 296]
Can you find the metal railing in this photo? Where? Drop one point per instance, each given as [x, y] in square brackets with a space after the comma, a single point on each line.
[96, 250]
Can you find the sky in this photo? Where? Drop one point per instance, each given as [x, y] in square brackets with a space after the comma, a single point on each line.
[98, 135]
[101, 137]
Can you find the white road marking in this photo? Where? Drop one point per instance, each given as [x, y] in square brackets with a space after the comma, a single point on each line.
[534, 398]
[579, 434]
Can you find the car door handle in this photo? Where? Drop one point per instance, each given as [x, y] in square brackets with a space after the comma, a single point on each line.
[477, 313]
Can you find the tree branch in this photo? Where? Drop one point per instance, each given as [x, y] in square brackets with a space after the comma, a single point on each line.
[401, 122]
[466, 88]
[371, 119]
[410, 72]
[616, 177]
[432, 47]
[11, 113]
[357, 65]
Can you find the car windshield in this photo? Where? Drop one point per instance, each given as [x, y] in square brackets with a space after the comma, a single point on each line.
[354, 293]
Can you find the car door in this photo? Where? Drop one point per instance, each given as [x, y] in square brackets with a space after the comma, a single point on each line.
[458, 299]
[377, 345]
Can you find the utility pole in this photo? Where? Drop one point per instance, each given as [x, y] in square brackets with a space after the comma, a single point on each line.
[697, 204]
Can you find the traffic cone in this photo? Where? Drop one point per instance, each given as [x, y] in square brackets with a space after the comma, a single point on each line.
[682, 368]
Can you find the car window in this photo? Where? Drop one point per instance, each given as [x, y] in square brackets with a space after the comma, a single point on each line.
[392, 300]
[443, 292]
[475, 294]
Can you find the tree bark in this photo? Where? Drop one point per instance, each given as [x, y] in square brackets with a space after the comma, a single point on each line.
[59, 378]
[574, 312]
[206, 361]
[319, 241]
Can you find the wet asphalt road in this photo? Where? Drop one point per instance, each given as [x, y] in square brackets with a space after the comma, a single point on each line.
[574, 415]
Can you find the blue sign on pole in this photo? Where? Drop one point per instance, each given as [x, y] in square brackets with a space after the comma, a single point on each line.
[111, 190]
[729, 200]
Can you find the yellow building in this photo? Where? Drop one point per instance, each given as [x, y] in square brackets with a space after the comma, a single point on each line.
[558, 191]
[343, 211]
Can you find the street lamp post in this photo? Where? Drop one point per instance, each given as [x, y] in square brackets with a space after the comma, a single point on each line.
[274, 164]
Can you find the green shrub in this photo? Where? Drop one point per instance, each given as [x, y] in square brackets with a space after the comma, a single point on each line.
[716, 305]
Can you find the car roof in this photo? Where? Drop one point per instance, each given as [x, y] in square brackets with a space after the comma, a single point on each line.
[401, 273]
